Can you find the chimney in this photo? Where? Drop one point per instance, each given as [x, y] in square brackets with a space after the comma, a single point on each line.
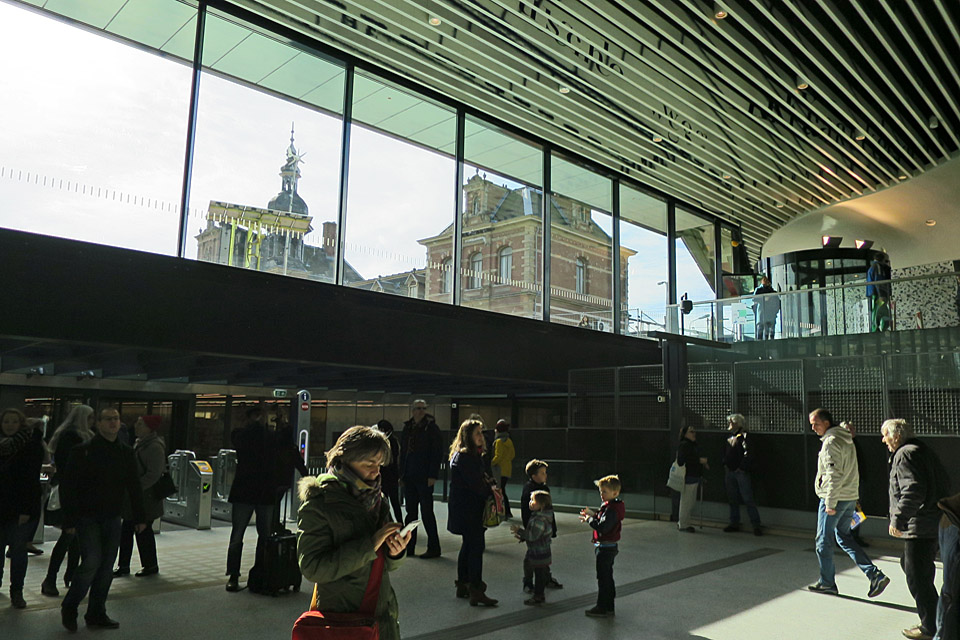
[330, 239]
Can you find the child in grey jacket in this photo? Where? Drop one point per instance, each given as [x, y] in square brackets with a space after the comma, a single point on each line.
[537, 534]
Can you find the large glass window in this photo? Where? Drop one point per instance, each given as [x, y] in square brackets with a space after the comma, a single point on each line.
[400, 197]
[93, 133]
[695, 256]
[581, 247]
[502, 241]
[643, 262]
[266, 162]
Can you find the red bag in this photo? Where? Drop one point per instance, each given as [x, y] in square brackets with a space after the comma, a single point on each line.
[360, 625]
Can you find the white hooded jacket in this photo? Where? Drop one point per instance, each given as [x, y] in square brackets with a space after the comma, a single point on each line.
[838, 476]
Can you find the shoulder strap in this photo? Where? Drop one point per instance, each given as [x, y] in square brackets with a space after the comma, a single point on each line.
[368, 605]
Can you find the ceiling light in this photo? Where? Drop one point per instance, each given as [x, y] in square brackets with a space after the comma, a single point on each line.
[802, 84]
[435, 21]
[779, 205]
[930, 223]
[860, 136]
[657, 139]
[933, 123]
[863, 244]
[719, 11]
[727, 176]
[903, 176]
[831, 242]
[564, 90]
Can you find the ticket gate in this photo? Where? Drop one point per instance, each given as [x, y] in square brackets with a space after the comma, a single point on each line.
[191, 504]
[224, 469]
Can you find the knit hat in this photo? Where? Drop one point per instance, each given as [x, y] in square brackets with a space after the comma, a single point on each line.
[502, 425]
[152, 422]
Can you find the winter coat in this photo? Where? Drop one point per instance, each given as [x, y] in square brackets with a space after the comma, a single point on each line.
[529, 487]
[421, 450]
[100, 475]
[537, 535]
[20, 480]
[151, 456]
[768, 307]
[688, 454]
[65, 444]
[503, 455]
[878, 271]
[390, 473]
[917, 482]
[737, 456]
[468, 494]
[255, 480]
[838, 475]
[335, 550]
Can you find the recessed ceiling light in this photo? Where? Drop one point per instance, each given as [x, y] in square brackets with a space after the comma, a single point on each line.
[564, 89]
[657, 139]
[801, 84]
[727, 176]
[861, 136]
[720, 15]
[719, 11]
[930, 223]
[779, 205]
[435, 21]
[903, 177]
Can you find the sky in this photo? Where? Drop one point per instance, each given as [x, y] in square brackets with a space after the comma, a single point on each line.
[93, 141]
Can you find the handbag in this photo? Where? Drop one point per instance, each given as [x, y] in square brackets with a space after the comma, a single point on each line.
[494, 511]
[53, 502]
[163, 487]
[360, 625]
[677, 476]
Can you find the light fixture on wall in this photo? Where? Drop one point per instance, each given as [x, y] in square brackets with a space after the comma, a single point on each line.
[863, 244]
[831, 242]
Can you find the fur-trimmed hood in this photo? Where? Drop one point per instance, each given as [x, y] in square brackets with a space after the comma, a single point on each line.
[309, 487]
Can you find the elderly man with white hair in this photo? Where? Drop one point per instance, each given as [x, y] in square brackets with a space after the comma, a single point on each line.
[917, 481]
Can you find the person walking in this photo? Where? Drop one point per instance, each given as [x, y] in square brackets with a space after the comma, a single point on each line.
[838, 486]
[917, 481]
[151, 455]
[76, 429]
[100, 475]
[421, 451]
[502, 462]
[738, 460]
[469, 489]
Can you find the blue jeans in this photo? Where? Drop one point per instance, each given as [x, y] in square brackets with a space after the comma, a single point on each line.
[99, 541]
[242, 513]
[837, 527]
[740, 489]
[15, 535]
[606, 587]
[947, 613]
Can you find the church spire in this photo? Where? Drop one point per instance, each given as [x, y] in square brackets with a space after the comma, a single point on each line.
[290, 171]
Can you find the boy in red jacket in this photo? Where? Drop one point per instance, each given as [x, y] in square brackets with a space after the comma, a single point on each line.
[606, 533]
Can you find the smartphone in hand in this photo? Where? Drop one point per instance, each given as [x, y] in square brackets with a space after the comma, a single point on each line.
[407, 529]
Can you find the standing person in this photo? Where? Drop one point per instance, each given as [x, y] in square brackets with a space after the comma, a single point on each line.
[344, 525]
[21, 456]
[948, 614]
[469, 489]
[421, 451]
[606, 525]
[688, 454]
[287, 459]
[536, 471]
[766, 309]
[838, 486]
[537, 533]
[390, 473]
[150, 453]
[879, 294]
[503, 455]
[100, 475]
[76, 429]
[253, 490]
[917, 482]
[738, 460]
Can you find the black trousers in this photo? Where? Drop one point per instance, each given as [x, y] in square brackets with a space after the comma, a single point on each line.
[918, 568]
[506, 500]
[606, 588]
[392, 492]
[419, 498]
[470, 559]
[146, 545]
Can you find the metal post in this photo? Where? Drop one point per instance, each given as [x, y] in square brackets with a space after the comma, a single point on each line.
[617, 292]
[344, 169]
[455, 280]
[546, 217]
[191, 130]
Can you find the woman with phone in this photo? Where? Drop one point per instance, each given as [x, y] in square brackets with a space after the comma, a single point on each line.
[345, 523]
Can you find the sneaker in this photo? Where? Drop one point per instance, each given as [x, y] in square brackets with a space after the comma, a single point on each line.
[878, 583]
[102, 621]
[233, 584]
[68, 617]
[731, 528]
[430, 553]
[49, 588]
[597, 612]
[916, 633]
[528, 588]
[819, 587]
[553, 584]
[534, 601]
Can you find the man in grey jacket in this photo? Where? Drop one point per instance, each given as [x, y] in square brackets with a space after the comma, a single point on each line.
[838, 487]
[917, 481]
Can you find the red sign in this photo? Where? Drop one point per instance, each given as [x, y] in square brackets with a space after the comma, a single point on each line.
[304, 406]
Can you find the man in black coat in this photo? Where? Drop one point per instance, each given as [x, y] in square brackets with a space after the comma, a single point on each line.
[421, 451]
[390, 473]
[917, 481]
[99, 475]
[254, 488]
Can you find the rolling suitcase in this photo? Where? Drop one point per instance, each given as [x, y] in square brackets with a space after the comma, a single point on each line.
[276, 569]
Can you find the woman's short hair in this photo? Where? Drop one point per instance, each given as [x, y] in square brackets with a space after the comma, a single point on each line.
[542, 498]
[738, 421]
[359, 443]
[897, 428]
[462, 443]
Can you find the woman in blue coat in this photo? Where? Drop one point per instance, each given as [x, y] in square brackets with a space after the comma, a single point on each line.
[469, 489]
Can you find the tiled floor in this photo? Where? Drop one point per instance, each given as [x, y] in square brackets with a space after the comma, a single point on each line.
[670, 585]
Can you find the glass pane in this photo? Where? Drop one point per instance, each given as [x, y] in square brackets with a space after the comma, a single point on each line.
[92, 142]
[401, 195]
[581, 248]
[266, 166]
[695, 256]
[643, 258]
[502, 244]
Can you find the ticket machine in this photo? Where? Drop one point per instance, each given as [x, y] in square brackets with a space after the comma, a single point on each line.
[191, 504]
[224, 469]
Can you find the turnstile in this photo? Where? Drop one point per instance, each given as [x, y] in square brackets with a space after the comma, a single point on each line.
[224, 469]
[191, 504]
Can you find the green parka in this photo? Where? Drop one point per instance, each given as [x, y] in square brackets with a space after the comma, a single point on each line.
[335, 550]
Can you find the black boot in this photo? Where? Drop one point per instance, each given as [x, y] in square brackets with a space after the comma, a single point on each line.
[478, 596]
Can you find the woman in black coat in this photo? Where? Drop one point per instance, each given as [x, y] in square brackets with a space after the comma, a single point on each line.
[688, 454]
[469, 489]
[21, 455]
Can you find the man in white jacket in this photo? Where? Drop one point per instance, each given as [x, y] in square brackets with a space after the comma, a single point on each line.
[838, 487]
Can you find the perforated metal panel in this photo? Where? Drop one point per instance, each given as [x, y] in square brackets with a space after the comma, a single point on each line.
[709, 396]
[851, 388]
[592, 398]
[770, 395]
[640, 394]
[924, 389]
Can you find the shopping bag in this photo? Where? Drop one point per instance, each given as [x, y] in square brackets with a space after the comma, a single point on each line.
[677, 476]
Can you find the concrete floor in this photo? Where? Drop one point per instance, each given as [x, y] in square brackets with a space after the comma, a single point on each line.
[670, 586]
